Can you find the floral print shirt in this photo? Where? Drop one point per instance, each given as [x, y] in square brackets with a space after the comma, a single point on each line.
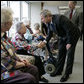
[8, 55]
[20, 42]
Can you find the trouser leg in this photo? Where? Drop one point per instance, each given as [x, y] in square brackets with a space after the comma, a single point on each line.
[33, 70]
[40, 66]
[61, 56]
[70, 58]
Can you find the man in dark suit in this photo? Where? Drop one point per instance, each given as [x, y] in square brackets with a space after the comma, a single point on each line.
[44, 29]
[68, 36]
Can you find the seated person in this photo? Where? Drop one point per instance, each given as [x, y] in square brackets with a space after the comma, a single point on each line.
[21, 43]
[13, 69]
[39, 35]
[54, 44]
[29, 35]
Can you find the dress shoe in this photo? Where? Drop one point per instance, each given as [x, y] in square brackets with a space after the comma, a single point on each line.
[64, 78]
[43, 80]
[55, 74]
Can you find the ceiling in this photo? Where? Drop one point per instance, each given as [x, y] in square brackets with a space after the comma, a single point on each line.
[58, 3]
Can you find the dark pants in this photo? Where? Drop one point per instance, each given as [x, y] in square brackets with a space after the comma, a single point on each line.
[81, 35]
[27, 74]
[62, 56]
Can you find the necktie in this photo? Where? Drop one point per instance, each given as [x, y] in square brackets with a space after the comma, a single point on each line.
[48, 27]
[53, 28]
[71, 14]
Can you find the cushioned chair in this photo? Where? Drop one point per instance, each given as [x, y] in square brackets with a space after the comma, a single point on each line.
[31, 59]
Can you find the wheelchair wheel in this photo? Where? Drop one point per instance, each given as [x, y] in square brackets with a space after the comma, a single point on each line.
[49, 68]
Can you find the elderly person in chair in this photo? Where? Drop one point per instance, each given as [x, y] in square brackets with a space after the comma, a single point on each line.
[29, 35]
[13, 69]
[24, 48]
[39, 35]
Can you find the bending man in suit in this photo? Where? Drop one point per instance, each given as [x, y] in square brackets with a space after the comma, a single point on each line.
[68, 36]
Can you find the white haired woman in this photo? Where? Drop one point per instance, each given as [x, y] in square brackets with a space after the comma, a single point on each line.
[29, 35]
[26, 49]
[40, 36]
[13, 69]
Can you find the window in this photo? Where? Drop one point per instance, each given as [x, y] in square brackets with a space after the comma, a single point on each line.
[3, 3]
[24, 11]
[20, 12]
[15, 6]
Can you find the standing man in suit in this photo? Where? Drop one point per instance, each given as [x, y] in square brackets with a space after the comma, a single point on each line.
[68, 36]
[73, 14]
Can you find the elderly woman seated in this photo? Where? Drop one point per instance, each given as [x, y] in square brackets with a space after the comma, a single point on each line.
[23, 47]
[39, 35]
[29, 35]
[13, 68]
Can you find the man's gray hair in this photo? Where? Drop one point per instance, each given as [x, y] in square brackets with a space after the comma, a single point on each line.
[46, 13]
[6, 15]
[18, 26]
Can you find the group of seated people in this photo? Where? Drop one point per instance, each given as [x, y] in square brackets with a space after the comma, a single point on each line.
[15, 53]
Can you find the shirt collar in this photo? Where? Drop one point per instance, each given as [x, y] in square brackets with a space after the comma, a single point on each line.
[50, 23]
[73, 11]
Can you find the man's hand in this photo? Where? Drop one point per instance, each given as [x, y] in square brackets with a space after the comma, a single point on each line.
[68, 46]
[41, 44]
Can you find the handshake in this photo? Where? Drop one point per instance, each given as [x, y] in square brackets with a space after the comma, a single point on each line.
[41, 44]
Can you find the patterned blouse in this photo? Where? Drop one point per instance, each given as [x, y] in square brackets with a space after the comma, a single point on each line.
[8, 55]
[28, 36]
[20, 42]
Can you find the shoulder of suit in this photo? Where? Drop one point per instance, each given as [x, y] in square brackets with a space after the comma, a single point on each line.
[67, 11]
[57, 18]
[57, 15]
[76, 10]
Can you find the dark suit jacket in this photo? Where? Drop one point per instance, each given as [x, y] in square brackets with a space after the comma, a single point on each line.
[44, 29]
[64, 28]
